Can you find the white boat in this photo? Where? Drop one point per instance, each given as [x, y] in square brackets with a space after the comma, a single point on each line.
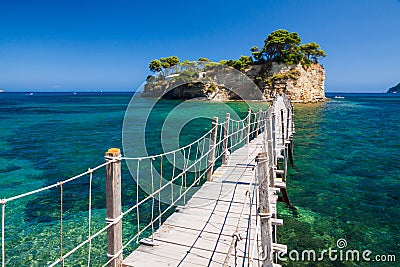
[339, 97]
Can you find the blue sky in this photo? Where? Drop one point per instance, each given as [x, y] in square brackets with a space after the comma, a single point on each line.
[107, 45]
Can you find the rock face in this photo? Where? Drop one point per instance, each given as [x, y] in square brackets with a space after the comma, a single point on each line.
[195, 90]
[301, 84]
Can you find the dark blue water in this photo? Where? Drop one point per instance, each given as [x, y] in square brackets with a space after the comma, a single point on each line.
[345, 183]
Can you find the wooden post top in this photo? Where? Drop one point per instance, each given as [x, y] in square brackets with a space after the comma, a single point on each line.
[260, 156]
[113, 151]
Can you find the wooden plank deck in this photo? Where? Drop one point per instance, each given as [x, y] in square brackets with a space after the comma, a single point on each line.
[200, 233]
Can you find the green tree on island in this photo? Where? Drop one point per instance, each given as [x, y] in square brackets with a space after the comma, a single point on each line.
[257, 54]
[285, 47]
[157, 65]
[169, 61]
[280, 46]
[240, 64]
[204, 59]
[312, 51]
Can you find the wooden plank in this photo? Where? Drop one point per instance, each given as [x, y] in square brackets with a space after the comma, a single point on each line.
[168, 254]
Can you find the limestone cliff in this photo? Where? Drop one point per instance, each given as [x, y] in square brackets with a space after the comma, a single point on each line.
[301, 83]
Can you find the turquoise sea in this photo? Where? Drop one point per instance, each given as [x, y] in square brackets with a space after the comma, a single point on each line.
[345, 183]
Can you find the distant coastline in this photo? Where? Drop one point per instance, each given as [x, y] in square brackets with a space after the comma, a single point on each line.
[394, 89]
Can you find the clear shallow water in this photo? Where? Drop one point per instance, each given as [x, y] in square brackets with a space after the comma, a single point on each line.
[345, 184]
[347, 180]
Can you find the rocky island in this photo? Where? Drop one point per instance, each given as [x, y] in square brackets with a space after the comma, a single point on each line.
[394, 89]
[283, 64]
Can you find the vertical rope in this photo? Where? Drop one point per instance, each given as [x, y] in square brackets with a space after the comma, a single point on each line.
[61, 223]
[137, 201]
[202, 153]
[195, 164]
[90, 214]
[242, 133]
[219, 149]
[198, 162]
[257, 235]
[230, 131]
[252, 124]
[236, 241]
[183, 169]
[159, 192]
[185, 174]
[235, 135]
[249, 226]
[3, 254]
[152, 199]
[172, 178]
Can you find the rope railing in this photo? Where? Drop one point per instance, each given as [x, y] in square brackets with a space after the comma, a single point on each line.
[170, 178]
[59, 185]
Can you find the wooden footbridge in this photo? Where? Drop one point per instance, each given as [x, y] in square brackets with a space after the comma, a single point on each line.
[213, 202]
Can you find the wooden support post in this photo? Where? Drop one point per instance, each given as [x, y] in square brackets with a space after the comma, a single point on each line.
[248, 126]
[285, 162]
[225, 142]
[283, 127]
[291, 152]
[287, 123]
[257, 121]
[292, 147]
[292, 116]
[273, 130]
[211, 155]
[270, 151]
[264, 132]
[113, 207]
[264, 209]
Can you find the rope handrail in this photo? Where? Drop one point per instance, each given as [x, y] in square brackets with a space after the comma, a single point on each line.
[172, 151]
[5, 200]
